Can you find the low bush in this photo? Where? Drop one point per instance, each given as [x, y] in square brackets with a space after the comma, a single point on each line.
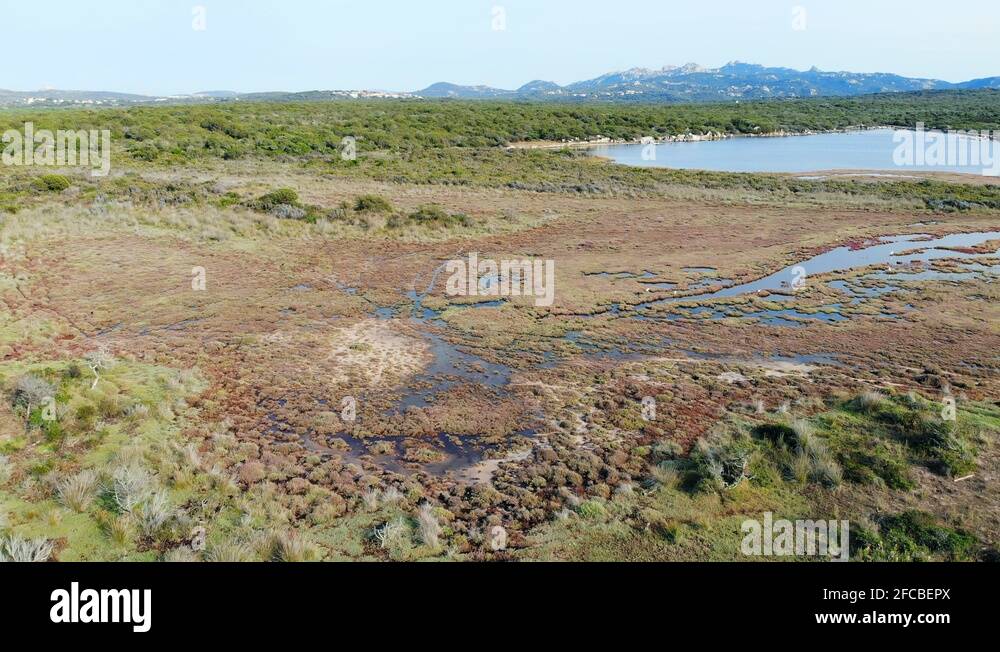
[31, 391]
[144, 151]
[51, 183]
[925, 433]
[911, 536]
[372, 204]
[282, 196]
[129, 486]
[434, 215]
[800, 453]
[230, 552]
[719, 462]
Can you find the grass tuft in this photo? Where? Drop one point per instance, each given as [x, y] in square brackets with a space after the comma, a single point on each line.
[78, 491]
[427, 522]
[14, 548]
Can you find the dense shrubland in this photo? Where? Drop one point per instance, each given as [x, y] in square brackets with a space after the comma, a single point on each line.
[237, 130]
[127, 470]
[815, 458]
[461, 144]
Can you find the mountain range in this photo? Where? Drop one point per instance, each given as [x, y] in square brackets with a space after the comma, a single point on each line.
[693, 83]
[670, 84]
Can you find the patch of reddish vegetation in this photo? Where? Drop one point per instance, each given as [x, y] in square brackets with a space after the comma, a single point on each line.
[961, 250]
[856, 244]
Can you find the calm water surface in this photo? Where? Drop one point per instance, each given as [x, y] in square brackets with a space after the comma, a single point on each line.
[856, 150]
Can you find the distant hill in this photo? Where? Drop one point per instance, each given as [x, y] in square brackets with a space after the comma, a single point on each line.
[57, 97]
[670, 84]
[52, 98]
[216, 94]
[986, 82]
[694, 83]
[444, 89]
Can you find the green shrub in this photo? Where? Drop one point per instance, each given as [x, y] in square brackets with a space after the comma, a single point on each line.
[429, 213]
[873, 461]
[86, 415]
[591, 509]
[78, 491]
[144, 152]
[912, 536]
[938, 439]
[868, 402]
[669, 530]
[920, 528]
[372, 204]
[285, 196]
[53, 432]
[777, 433]
[110, 407]
[51, 183]
[229, 199]
[719, 463]
[434, 215]
[799, 453]
[823, 468]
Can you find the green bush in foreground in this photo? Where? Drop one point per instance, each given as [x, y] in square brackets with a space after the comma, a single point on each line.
[51, 183]
[285, 196]
[940, 443]
[911, 536]
[434, 215]
[372, 204]
[282, 203]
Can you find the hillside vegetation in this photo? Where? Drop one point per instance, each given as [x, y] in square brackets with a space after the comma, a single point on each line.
[454, 143]
[238, 130]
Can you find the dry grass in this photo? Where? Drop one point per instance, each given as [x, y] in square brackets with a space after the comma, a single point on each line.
[428, 525]
[129, 486]
[290, 546]
[78, 491]
[370, 498]
[229, 552]
[869, 401]
[14, 548]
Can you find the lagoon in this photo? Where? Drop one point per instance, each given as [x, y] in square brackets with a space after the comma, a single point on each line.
[870, 150]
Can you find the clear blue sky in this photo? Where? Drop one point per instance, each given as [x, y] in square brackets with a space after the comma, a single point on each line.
[150, 46]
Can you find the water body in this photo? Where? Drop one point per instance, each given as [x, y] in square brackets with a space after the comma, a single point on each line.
[889, 252]
[453, 365]
[855, 150]
[859, 294]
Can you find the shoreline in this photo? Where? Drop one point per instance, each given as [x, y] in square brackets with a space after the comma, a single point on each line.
[714, 136]
[684, 138]
[810, 175]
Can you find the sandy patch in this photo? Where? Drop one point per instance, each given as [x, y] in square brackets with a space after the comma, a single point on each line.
[372, 353]
[483, 472]
[732, 377]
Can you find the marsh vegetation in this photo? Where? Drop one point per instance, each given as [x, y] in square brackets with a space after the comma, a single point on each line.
[145, 419]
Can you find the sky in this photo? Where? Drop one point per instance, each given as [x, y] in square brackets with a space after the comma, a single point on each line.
[162, 47]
